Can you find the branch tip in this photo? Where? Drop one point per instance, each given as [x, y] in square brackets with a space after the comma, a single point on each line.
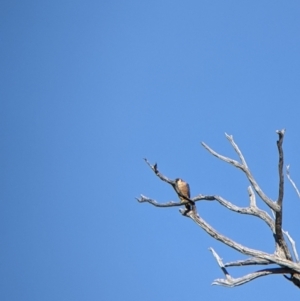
[229, 137]
[281, 132]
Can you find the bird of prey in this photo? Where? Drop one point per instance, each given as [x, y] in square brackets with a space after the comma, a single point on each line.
[183, 188]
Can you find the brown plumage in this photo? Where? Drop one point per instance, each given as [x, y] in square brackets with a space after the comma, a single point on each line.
[184, 189]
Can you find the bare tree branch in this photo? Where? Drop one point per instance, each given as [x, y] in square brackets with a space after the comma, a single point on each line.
[237, 150]
[231, 282]
[221, 265]
[249, 261]
[226, 159]
[245, 169]
[292, 242]
[240, 248]
[234, 245]
[278, 214]
[211, 231]
[144, 199]
[161, 176]
[251, 210]
[290, 179]
[252, 276]
[280, 168]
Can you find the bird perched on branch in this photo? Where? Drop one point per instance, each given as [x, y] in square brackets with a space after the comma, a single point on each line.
[183, 188]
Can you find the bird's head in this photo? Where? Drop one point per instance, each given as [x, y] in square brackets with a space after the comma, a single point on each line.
[178, 180]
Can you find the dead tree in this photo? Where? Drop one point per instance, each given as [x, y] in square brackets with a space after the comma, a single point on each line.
[287, 260]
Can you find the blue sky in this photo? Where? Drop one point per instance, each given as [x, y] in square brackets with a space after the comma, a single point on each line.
[88, 89]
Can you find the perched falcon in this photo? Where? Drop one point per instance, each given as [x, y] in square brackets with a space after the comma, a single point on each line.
[184, 189]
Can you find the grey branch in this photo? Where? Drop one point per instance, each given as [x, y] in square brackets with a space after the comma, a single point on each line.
[156, 171]
[237, 150]
[221, 265]
[231, 282]
[247, 278]
[144, 199]
[274, 258]
[211, 231]
[291, 181]
[293, 244]
[251, 210]
[245, 169]
[249, 261]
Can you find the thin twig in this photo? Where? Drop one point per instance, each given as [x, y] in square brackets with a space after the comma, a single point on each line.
[237, 150]
[290, 179]
[220, 263]
[156, 171]
[144, 199]
[292, 242]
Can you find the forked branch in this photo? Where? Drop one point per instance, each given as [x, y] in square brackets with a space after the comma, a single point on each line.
[245, 169]
[231, 282]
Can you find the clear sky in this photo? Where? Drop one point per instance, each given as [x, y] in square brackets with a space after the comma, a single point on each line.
[90, 88]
